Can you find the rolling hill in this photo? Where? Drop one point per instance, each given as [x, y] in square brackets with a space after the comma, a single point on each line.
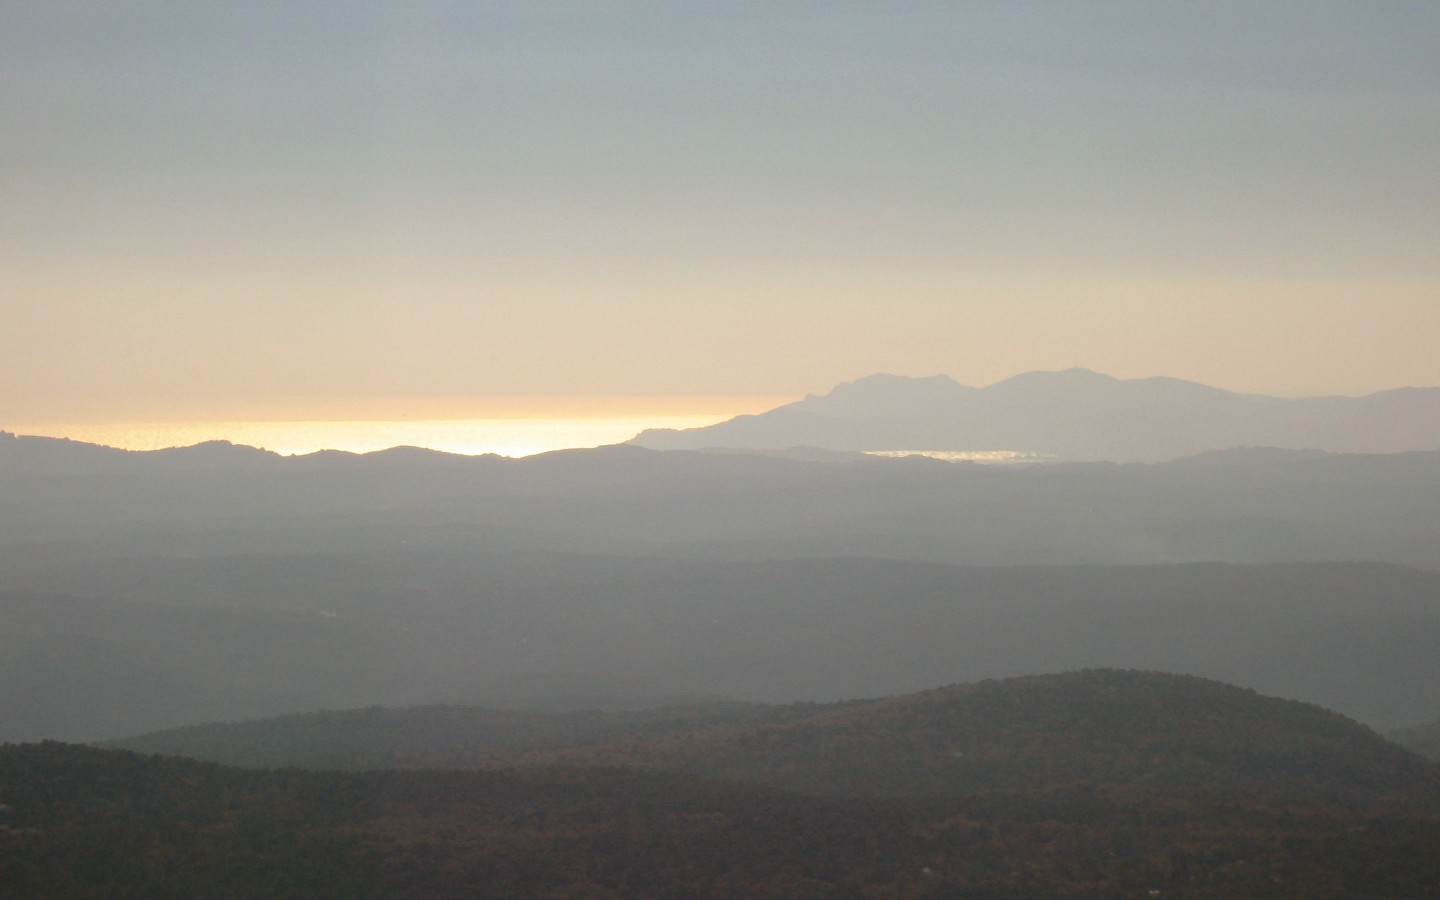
[80, 822]
[1105, 729]
[1086, 784]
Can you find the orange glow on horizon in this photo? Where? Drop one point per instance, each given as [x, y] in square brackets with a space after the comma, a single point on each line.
[510, 426]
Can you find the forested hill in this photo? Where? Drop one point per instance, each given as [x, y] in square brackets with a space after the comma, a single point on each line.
[1116, 729]
[1045, 732]
[83, 822]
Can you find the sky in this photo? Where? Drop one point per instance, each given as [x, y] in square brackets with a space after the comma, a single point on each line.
[234, 209]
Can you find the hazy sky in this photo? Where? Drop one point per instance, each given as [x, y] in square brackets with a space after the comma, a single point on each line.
[237, 204]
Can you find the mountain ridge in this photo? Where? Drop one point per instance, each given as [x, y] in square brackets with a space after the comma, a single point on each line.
[1072, 414]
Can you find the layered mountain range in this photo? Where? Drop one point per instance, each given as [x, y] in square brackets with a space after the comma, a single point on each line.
[147, 590]
[1074, 415]
[714, 673]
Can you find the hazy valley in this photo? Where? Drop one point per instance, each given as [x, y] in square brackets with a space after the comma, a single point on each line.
[976, 664]
[530, 476]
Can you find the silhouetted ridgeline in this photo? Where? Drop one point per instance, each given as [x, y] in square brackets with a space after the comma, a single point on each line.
[1073, 415]
[60, 500]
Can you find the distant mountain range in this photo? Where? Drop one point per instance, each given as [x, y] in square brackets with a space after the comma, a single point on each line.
[149, 590]
[63, 501]
[1073, 415]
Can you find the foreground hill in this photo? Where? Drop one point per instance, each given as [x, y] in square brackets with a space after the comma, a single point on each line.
[1074, 415]
[82, 822]
[1101, 728]
[1042, 733]
[1090, 784]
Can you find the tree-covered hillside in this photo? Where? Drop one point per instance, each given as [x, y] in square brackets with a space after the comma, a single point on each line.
[1039, 733]
[1101, 728]
[83, 822]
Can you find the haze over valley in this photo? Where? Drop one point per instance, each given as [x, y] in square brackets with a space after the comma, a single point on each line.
[150, 589]
[742, 613]
[730, 450]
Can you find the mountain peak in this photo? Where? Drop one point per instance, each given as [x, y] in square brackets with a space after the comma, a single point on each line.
[884, 384]
[889, 379]
[1062, 380]
[1070, 414]
[1074, 373]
